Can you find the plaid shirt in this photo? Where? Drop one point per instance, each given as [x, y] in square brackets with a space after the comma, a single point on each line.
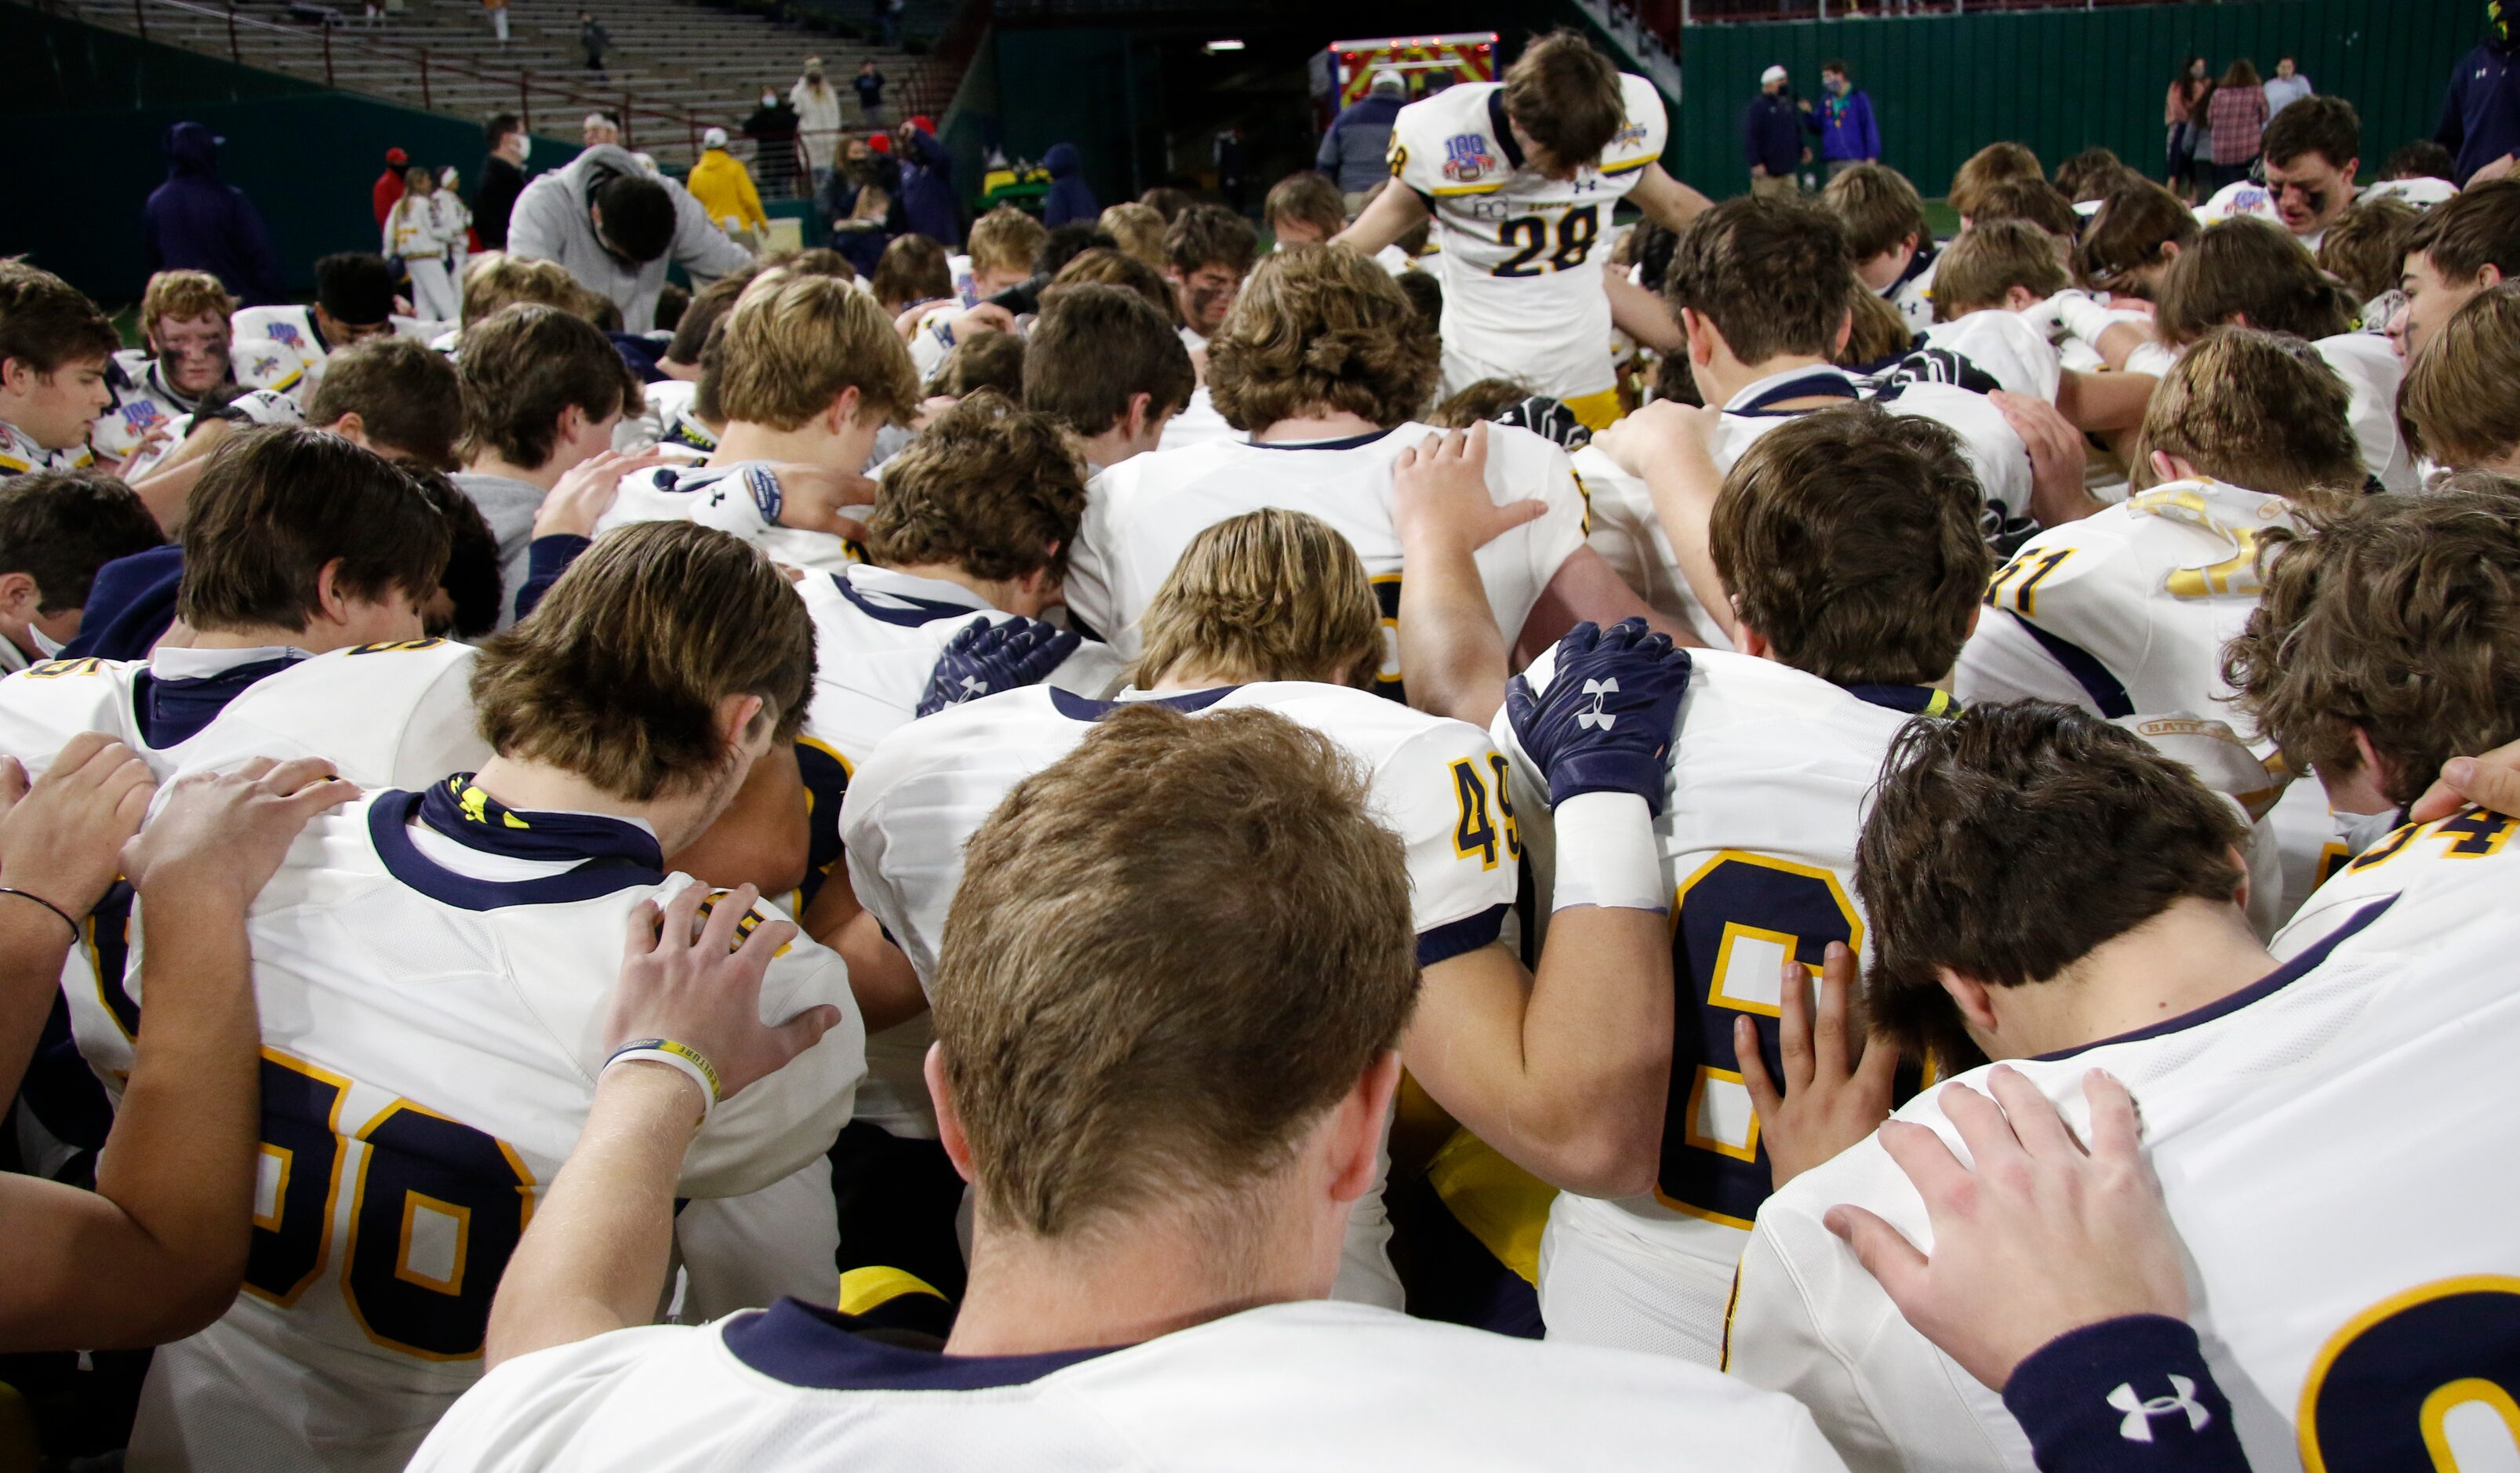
[2234, 119]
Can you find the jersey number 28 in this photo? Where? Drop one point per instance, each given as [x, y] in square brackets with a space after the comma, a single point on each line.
[1577, 230]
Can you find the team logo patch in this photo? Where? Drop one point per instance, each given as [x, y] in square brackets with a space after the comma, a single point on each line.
[286, 331]
[141, 414]
[1629, 136]
[264, 367]
[1466, 159]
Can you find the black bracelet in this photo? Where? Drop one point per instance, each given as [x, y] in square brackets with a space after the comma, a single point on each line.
[47, 905]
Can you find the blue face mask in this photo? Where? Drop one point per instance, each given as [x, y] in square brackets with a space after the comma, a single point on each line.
[1837, 86]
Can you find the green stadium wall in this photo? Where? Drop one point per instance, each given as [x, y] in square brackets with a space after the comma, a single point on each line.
[2061, 81]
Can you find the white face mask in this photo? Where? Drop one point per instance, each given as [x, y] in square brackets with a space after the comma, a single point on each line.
[525, 147]
[50, 647]
[2358, 832]
[769, 99]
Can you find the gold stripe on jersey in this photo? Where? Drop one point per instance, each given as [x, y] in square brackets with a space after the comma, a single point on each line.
[1626, 168]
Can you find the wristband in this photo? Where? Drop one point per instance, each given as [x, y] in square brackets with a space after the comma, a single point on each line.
[1606, 853]
[47, 905]
[693, 1064]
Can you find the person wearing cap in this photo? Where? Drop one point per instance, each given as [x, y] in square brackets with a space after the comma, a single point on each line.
[1771, 136]
[1356, 150]
[724, 188]
[927, 184]
[388, 188]
[196, 222]
[283, 347]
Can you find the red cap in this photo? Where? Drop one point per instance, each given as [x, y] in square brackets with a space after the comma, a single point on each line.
[924, 123]
[880, 143]
[397, 157]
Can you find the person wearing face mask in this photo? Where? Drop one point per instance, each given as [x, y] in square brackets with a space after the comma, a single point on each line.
[1848, 133]
[184, 323]
[773, 127]
[502, 179]
[817, 119]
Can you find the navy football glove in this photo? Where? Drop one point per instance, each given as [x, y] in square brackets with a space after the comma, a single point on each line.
[1606, 722]
[985, 657]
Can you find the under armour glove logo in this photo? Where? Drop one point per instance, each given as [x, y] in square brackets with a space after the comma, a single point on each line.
[986, 656]
[2136, 1425]
[1605, 721]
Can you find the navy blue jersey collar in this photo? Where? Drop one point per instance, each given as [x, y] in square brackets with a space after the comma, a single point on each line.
[1502, 127]
[169, 711]
[1915, 701]
[1076, 707]
[806, 1345]
[903, 609]
[1819, 382]
[614, 854]
[1917, 265]
[2267, 986]
[1351, 442]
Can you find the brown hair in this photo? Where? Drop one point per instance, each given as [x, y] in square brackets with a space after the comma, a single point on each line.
[1483, 400]
[2395, 615]
[405, 393]
[2249, 266]
[2366, 248]
[2327, 126]
[1171, 952]
[982, 360]
[1308, 196]
[2476, 228]
[498, 280]
[1167, 202]
[710, 306]
[274, 507]
[2241, 74]
[1269, 594]
[912, 269]
[45, 322]
[1772, 275]
[181, 294]
[525, 366]
[616, 675]
[1093, 348]
[2009, 842]
[1875, 331]
[1876, 208]
[1988, 259]
[792, 347]
[58, 527]
[2254, 410]
[1210, 235]
[1320, 327]
[1987, 167]
[1005, 239]
[2095, 173]
[988, 488]
[2127, 235]
[1850, 539]
[2033, 200]
[1567, 96]
[1139, 230]
[1116, 268]
[2456, 405]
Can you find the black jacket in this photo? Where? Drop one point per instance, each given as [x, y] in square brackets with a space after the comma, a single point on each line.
[494, 199]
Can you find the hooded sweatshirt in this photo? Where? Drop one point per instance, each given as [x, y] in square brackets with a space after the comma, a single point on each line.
[552, 223]
[1070, 198]
[193, 222]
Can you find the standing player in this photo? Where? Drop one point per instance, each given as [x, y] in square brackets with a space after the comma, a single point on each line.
[1521, 178]
[433, 969]
[1271, 611]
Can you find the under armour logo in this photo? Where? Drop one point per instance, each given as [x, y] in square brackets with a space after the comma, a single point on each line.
[1599, 691]
[973, 687]
[2136, 1425]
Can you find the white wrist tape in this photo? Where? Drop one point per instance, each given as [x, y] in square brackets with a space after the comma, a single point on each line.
[1607, 855]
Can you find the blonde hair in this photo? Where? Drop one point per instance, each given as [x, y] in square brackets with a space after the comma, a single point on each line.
[181, 294]
[1269, 594]
[1006, 239]
[1139, 230]
[2255, 409]
[792, 347]
[497, 281]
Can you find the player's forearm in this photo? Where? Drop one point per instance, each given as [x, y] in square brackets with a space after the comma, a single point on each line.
[595, 1255]
[1666, 200]
[1452, 654]
[1599, 1032]
[1394, 212]
[1683, 486]
[33, 942]
[2105, 401]
[1641, 315]
[165, 490]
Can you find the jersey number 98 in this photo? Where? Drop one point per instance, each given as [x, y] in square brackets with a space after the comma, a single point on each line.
[1577, 230]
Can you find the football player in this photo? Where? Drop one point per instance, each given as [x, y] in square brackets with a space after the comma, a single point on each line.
[1168, 1019]
[57, 528]
[2313, 151]
[1521, 178]
[2457, 250]
[56, 350]
[433, 969]
[1324, 363]
[184, 331]
[1272, 611]
[283, 348]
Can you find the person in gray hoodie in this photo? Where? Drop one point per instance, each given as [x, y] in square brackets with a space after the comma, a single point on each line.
[614, 226]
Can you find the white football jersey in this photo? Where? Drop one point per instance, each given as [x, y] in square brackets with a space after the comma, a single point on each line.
[2247, 196]
[1913, 294]
[19, 453]
[2357, 1317]
[1142, 515]
[1435, 782]
[716, 496]
[2421, 192]
[2373, 371]
[142, 401]
[878, 634]
[1769, 774]
[1306, 1385]
[1630, 537]
[278, 348]
[1523, 256]
[434, 972]
[2015, 354]
[668, 420]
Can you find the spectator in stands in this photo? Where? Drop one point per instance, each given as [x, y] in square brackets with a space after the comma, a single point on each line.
[1771, 136]
[502, 179]
[2285, 86]
[888, 15]
[498, 9]
[2480, 122]
[927, 184]
[388, 187]
[869, 86]
[2178, 115]
[1070, 198]
[818, 120]
[773, 129]
[615, 226]
[1356, 150]
[724, 188]
[193, 222]
[1849, 134]
[594, 40]
[861, 202]
[2235, 121]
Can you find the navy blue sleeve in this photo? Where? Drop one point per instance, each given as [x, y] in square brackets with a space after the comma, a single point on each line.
[2131, 1395]
[546, 558]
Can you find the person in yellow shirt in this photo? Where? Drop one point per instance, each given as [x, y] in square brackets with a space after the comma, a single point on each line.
[724, 188]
